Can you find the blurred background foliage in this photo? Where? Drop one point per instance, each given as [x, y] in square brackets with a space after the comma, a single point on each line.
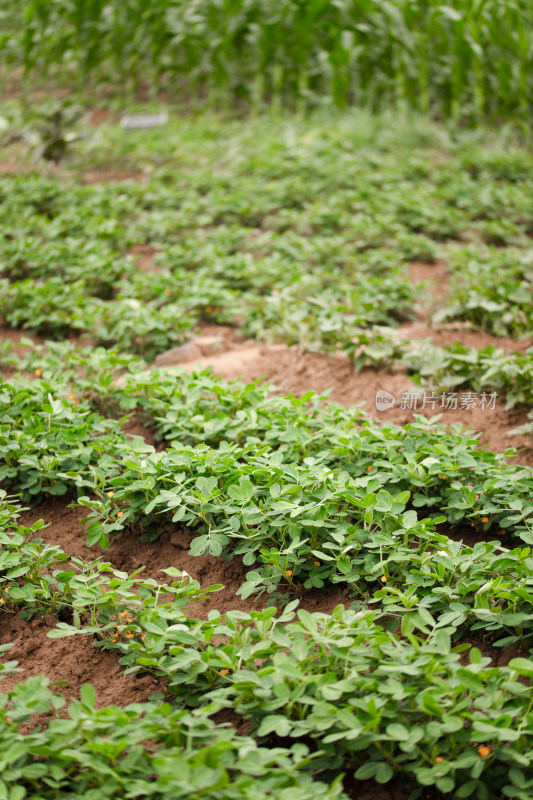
[467, 60]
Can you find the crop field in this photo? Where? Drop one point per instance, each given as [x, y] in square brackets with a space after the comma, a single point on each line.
[266, 404]
[235, 588]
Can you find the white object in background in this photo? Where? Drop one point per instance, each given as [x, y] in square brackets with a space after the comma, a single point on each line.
[144, 120]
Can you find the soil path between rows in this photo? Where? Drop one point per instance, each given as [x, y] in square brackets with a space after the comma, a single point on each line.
[293, 372]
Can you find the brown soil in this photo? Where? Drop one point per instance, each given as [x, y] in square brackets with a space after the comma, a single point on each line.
[499, 656]
[294, 372]
[448, 335]
[369, 790]
[16, 88]
[144, 257]
[134, 427]
[74, 659]
[242, 726]
[112, 176]
[14, 335]
[98, 116]
[127, 553]
[9, 168]
[432, 280]
[470, 535]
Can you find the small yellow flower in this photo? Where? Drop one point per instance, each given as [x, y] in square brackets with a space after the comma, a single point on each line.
[2, 601]
[383, 579]
[72, 397]
[38, 373]
[316, 563]
[123, 614]
[503, 532]
[110, 494]
[224, 671]
[208, 309]
[6, 590]
[168, 292]
[9, 720]
[288, 573]
[484, 519]
[369, 468]
[484, 751]
[120, 514]
[439, 760]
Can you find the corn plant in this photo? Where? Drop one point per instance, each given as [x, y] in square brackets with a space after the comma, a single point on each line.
[464, 59]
